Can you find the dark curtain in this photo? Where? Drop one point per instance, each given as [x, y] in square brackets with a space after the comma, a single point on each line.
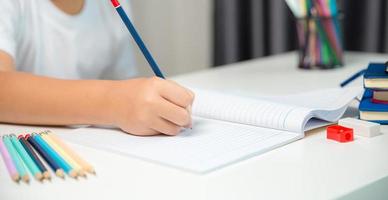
[366, 25]
[245, 29]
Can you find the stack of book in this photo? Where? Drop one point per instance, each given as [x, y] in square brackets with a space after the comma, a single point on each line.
[374, 103]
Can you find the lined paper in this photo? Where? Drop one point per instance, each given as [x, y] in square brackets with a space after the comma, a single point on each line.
[211, 144]
[289, 113]
[226, 129]
[247, 111]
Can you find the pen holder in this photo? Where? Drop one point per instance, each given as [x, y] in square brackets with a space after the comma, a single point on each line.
[320, 42]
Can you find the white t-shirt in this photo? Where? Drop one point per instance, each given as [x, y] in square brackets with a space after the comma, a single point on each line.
[44, 40]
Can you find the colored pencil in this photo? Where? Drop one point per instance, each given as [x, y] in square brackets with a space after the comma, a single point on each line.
[303, 7]
[16, 159]
[294, 6]
[312, 41]
[34, 157]
[85, 165]
[8, 162]
[353, 77]
[63, 154]
[131, 28]
[47, 157]
[325, 48]
[57, 158]
[26, 158]
[328, 47]
[329, 27]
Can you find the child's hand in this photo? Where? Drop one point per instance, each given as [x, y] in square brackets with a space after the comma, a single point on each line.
[150, 106]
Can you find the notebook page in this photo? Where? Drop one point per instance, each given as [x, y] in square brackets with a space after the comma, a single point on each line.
[290, 112]
[249, 111]
[211, 144]
[326, 106]
[326, 99]
[333, 108]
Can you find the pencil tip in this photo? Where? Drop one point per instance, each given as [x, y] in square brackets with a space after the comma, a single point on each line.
[46, 175]
[26, 179]
[73, 174]
[16, 178]
[60, 173]
[91, 170]
[39, 176]
[82, 173]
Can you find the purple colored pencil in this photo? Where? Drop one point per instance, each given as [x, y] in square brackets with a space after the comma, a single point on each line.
[8, 162]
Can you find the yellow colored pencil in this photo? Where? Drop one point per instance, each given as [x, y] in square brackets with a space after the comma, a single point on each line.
[64, 155]
[85, 165]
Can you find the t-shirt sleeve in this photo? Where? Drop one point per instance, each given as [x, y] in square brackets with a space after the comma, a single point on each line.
[9, 17]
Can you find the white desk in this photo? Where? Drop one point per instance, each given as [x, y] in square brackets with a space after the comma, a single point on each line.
[311, 168]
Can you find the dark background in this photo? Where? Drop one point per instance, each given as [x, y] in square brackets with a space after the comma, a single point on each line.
[246, 29]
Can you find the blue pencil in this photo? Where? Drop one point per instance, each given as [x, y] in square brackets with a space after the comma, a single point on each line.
[57, 158]
[137, 38]
[353, 77]
[50, 161]
[34, 157]
[28, 161]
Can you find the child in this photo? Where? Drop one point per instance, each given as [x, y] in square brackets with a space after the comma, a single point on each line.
[46, 43]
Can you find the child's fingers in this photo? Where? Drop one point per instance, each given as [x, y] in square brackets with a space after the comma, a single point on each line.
[168, 128]
[175, 114]
[189, 110]
[176, 94]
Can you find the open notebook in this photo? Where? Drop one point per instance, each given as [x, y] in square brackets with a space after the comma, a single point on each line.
[226, 129]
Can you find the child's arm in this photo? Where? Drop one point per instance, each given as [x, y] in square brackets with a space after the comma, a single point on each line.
[6, 62]
[139, 106]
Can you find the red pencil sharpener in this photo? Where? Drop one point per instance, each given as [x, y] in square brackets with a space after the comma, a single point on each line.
[339, 133]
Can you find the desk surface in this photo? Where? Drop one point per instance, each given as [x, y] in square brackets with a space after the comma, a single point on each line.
[311, 168]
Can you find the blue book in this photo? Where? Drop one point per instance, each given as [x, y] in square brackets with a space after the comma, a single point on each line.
[372, 111]
[376, 76]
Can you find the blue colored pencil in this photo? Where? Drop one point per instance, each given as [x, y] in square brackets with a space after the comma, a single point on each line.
[137, 38]
[28, 161]
[353, 77]
[34, 157]
[49, 160]
[57, 158]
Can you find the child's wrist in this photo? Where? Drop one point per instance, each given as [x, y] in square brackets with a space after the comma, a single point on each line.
[110, 107]
[107, 107]
[99, 111]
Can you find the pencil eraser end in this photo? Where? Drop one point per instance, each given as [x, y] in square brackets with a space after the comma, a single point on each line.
[339, 133]
[115, 3]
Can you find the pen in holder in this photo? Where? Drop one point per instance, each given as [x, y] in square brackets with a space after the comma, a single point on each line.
[320, 42]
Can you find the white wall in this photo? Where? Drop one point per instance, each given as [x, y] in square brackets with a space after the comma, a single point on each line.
[177, 32]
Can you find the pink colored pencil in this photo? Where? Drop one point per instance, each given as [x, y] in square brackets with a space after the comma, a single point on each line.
[8, 162]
